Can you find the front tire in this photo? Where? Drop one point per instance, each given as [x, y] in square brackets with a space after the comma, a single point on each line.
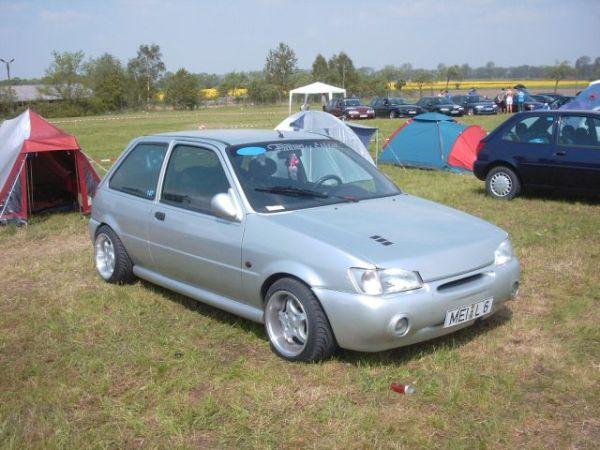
[112, 261]
[393, 114]
[502, 183]
[296, 324]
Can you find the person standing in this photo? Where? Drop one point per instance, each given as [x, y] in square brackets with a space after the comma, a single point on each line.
[509, 101]
[500, 100]
[520, 100]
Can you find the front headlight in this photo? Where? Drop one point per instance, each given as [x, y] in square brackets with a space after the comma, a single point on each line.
[384, 281]
[504, 253]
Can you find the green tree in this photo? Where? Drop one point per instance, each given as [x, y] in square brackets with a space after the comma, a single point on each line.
[181, 90]
[342, 71]
[560, 72]
[583, 66]
[280, 66]
[7, 100]
[320, 71]
[422, 77]
[107, 79]
[233, 80]
[65, 76]
[145, 71]
[453, 73]
[261, 91]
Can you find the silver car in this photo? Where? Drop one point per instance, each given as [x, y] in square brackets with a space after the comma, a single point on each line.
[297, 231]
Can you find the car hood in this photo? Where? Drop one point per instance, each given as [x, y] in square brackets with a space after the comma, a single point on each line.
[426, 237]
[406, 106]
[482, 104]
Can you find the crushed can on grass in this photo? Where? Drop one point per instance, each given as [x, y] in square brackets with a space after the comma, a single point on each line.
[403, 388]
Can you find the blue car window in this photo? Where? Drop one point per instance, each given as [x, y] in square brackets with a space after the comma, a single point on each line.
[579, 130]
[531, 130]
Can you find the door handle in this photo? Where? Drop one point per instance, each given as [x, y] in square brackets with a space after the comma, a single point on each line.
[560, 153]
[160, 215]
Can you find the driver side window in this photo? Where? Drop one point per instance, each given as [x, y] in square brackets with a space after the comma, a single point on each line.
[193, 177]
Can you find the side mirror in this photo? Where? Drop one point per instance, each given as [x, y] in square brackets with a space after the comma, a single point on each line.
[223, 205]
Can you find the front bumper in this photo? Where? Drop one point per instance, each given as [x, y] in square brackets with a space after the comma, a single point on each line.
[482, 112]
[365, 323]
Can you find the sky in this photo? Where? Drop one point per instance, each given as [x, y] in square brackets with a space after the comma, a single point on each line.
[224, 35]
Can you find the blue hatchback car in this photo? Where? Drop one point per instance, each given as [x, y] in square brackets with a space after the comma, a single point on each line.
[541, 149]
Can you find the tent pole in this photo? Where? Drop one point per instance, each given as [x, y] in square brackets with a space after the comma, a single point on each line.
[376, 146]
[441, 142]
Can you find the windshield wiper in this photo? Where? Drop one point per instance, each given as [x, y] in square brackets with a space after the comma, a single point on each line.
[299, 192]
[289, 190]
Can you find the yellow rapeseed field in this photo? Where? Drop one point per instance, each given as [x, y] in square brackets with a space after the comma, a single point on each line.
[493, 84]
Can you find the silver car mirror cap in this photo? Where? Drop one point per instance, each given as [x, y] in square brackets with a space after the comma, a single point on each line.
[224, 206]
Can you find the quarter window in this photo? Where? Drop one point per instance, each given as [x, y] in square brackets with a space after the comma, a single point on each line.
[194, 176]
[532, 130]
[579, 130]
[138, 173]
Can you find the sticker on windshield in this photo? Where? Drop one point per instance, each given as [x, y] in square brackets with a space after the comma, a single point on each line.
[251, 151]
[275, 207]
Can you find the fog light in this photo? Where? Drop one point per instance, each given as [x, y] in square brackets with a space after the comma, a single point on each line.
[399, 326]
[515, 289]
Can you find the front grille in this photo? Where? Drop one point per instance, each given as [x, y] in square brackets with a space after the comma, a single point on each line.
[460, 282]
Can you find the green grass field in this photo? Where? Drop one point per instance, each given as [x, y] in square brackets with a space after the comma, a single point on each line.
[85, 364]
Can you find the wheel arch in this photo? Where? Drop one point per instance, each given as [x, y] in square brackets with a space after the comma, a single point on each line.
[504, 163]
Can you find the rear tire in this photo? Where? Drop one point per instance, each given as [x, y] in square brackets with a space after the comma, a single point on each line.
[502, 183]
[112, 261]
[296, 324]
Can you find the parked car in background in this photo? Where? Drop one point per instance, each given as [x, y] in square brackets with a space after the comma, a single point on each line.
[561, 100]
[277, 227]
[440, 105]
[476, 104]
[393, 107]
[530, 103]
[559, 149]
[349, 108]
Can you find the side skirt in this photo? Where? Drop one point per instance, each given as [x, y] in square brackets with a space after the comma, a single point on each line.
[218, 301]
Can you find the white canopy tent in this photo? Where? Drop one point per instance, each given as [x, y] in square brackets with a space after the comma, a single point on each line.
[316, 88]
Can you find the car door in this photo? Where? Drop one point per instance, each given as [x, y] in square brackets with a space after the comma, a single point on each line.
[530, 144]
[578, 151]
[130, 197]
[378, 106]
[187, 241]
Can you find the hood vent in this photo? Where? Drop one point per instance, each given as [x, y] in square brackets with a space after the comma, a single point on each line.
[381, 240]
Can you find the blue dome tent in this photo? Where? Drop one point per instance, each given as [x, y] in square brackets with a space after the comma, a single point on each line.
[433, 141]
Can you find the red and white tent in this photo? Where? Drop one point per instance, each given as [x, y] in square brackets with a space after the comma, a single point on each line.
[41, 168]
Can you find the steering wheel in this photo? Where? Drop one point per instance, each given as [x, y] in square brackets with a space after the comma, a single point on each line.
[325, 178]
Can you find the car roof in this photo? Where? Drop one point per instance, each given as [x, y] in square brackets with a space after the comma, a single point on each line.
[241, 136]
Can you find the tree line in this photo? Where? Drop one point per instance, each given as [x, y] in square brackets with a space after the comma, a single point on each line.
[105, 84]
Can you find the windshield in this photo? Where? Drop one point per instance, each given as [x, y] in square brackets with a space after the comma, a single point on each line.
[442, 101]
[476, 98]
[397, 101]
[288, 175]
[352, 103]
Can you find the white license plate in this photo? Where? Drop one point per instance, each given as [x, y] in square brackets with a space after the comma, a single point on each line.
[363, 115]
[468, 312]
[412, 112]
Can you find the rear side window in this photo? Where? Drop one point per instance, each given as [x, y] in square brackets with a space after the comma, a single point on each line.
[138, 173]
[531, 130]
[579, 130]
[194, 176]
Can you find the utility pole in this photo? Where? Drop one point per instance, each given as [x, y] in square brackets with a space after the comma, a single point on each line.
[7, 63]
